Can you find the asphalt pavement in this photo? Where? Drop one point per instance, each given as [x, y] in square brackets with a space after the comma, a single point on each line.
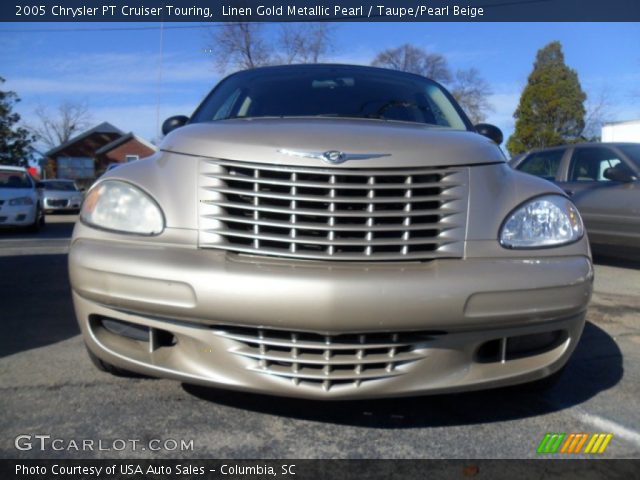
[50, 388]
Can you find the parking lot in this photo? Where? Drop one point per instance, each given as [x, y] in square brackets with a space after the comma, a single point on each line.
[50, 387]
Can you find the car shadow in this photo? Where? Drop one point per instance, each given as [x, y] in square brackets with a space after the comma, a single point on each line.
[612, 259]
[35, 302]
[596, 365]
[61, 228]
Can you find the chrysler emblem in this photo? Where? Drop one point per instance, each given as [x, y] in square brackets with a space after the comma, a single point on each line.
[333, 157]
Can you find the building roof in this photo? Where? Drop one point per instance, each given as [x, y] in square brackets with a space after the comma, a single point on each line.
[623, 122]
[125, 138]
[104, 127]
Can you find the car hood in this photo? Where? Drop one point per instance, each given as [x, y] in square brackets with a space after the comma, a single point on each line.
[402, 144]
[62, 194]
[9, 193]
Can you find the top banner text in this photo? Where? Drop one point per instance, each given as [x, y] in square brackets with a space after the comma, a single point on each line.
[319, 10]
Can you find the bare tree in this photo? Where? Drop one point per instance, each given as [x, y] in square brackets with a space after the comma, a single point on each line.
[467, 86]
[471, 91]
[410, 58]
[242, 46]
[305, 43]
[69, 118]
[598, 112]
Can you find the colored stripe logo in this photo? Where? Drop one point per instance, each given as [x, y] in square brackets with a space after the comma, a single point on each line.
[594, 443]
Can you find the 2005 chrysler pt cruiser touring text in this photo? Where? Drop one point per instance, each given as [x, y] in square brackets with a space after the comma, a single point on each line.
[332, 232]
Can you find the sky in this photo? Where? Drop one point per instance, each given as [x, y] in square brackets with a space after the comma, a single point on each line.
[135, 75]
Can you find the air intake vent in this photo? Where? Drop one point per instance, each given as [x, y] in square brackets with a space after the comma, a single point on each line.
[326, 361]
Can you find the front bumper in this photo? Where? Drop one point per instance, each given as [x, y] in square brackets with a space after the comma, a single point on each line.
[18, 216]
[233, 321]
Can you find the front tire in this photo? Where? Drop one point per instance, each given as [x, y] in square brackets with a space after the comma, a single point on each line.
[38, 222]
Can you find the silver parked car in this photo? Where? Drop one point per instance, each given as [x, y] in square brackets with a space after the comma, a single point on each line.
[330, 232]
[603, 180]
[61, 196]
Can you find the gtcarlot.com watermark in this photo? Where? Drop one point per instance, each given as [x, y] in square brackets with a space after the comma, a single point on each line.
[45, 442]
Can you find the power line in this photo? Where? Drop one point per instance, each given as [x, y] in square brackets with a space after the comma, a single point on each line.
[160, 66]
[108, 29]
[147, 28]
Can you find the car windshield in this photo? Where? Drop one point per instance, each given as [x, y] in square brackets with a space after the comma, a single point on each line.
[14, 179]
[633, 152]
[64, 186]
[331, 91]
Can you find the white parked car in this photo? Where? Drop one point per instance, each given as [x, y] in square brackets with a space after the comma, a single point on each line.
[20, 203]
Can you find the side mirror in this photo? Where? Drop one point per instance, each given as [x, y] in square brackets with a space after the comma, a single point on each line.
[490, 131]
[172, 123]
[619, 174]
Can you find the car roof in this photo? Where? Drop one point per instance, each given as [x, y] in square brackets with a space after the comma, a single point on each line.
[582, 144]
[309, 67]
[13, 168]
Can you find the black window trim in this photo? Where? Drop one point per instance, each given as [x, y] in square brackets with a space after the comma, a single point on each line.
[465, 119]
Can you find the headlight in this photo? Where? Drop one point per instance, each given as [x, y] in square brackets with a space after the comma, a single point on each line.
[119, 206]
[21, 201]
[547, 221]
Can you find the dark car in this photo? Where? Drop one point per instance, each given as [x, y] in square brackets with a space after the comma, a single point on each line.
[603, 180]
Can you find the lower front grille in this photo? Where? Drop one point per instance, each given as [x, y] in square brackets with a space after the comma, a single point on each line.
[57, 202]
[327, 361]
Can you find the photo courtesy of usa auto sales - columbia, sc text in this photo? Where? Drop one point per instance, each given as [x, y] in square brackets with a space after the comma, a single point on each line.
[135, 469]
[170, 11]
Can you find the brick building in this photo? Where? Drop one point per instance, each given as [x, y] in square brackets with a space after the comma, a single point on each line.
[86, 156]
[127, 148]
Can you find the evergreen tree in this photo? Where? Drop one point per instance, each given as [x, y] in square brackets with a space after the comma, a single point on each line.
[14, 141]
[551, 110]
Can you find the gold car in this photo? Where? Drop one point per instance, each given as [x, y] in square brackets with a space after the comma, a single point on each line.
[330, 232]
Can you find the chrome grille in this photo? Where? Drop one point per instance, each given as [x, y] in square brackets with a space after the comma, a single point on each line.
[327, 361]
[337, 214]
[57, 202]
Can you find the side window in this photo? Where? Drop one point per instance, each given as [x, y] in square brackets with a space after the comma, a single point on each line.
[543, 164]
[589, 164]
[226, 109]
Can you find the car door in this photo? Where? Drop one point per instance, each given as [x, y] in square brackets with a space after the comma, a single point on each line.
[610, 209]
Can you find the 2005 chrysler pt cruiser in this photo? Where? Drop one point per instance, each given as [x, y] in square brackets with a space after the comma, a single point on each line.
[331, 232]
